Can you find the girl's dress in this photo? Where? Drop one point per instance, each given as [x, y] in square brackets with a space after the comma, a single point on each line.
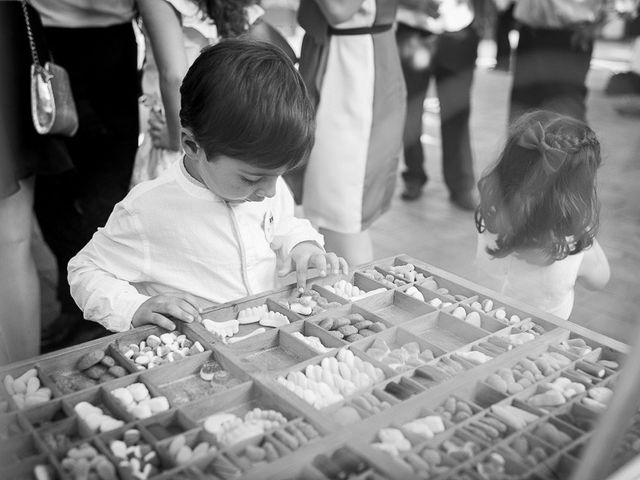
[353, 74]
[548, 287]
[197, 32]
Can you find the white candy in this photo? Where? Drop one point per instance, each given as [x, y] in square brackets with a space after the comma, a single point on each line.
[460, 313]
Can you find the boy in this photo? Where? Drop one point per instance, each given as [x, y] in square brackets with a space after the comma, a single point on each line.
[212, 224]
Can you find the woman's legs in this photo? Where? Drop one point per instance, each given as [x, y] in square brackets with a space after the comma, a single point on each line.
[19, 288]
[356, 248]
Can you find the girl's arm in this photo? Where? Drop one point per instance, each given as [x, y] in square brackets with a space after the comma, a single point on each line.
[165, 33]
[594, 271]
[338, 11]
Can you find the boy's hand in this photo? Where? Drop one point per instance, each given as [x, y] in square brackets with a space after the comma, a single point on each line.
[309, 254]
[155, 310]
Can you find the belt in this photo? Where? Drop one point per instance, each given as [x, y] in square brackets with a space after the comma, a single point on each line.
[361, 30]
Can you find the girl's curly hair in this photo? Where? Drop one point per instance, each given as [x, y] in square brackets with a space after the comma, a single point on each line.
[532, 209]
[228, 15]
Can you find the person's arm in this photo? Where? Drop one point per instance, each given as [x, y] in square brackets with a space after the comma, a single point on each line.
[299, 244]
[165, 34]
[594, 272]
[338, 11]
[102, 273]
[430, 7]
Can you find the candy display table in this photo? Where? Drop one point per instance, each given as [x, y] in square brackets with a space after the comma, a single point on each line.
[398, 370]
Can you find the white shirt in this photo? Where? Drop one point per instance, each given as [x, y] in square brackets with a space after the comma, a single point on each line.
[455, 15]
[172, 235]
[557, 14]
[548, 287]
[84, 13]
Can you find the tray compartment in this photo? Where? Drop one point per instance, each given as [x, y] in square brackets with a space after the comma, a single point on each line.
[399, 349]
[46, 414]
[24, 469]
[132, 413]
[366, 285]
[181, 382]
[444, 330]
[19, 448]
[395, 307]
[310, 329]
[68, 378]
[17, 400]
[273, 351]
[480, 320]
[98, 398]
[350, 323]
[12, 424]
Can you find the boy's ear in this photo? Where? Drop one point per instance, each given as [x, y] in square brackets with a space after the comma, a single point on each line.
[191, 146]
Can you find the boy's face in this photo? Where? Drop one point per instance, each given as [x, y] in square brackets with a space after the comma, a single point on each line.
[236, 181]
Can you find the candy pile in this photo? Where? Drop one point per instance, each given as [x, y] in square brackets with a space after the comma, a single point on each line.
[402, 389]
[84, 463]
[95, 418]
[578, 347]
[158, 350]
[407, 272]
[230, 429]
[499, 313]
[472, 317]
[460, 449]
[26, 390]
[135, 457]
[412, 291]
[552, 435]
[394, 442]
[399, 359]
[427, 463]
[309, 302]
[526, 372]
[351, 292]
[388, 280]
[181, 453]
[556, 393]
[283, 442]
[262, 315]
[488, 428]
[513, 417]
[343, 464]
[352, 327]
[135, 398]
[459, 362]
[455, 410]
[492, 466]
[334, 379]
[314, 342]
[530, 454]
[597, 399]
[99, 366]
[370, 404]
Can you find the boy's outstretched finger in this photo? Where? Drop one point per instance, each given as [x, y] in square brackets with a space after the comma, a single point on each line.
[320, 262]
[302, 266]
[162, 321]
[334, 265]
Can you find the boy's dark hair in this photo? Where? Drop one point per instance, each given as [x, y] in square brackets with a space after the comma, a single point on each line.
[533, 208]
[245, 100]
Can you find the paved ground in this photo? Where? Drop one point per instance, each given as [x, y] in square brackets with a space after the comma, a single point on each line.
[433, 230]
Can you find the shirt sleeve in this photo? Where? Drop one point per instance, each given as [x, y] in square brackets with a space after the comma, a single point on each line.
[100, 275]
[289, 231]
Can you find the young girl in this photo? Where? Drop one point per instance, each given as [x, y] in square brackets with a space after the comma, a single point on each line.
[210, 229]
[538, 213]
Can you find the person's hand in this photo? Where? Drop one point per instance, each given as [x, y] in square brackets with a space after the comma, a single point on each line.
[308, 254]
[158, 131]
[156, 311]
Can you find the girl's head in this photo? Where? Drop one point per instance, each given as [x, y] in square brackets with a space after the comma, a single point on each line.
[541, 194]
[229, 15]
[246, 118]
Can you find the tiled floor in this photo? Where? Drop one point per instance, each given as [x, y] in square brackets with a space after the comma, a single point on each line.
[433, 230]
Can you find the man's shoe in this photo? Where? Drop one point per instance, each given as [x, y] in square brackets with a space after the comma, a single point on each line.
[465, 201]
[412, 191]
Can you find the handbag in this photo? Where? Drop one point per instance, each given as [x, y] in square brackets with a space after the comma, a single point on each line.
[53, 109]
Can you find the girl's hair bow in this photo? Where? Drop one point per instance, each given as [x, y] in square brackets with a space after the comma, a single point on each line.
[533, 139]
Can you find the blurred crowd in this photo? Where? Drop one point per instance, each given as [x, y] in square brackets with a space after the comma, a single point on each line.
[367, 66]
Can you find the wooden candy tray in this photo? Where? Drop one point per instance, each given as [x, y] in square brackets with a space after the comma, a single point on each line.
[439, 349]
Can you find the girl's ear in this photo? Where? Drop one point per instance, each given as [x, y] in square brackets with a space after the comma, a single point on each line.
[191, 146]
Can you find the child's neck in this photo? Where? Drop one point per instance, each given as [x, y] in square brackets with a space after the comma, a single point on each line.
[192, 170]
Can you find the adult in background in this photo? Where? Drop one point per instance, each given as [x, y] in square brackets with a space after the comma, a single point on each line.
[95, 42]
[553, 55]
[438, 39]
[23, 154]
[350, 64]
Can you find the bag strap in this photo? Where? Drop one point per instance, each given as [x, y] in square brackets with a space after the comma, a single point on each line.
[32, 42]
